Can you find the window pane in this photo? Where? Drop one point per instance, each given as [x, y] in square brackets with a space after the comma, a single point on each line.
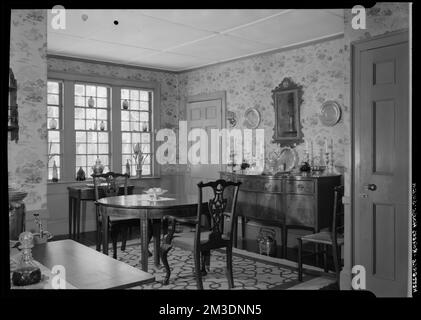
[90, 113]
[91, 125]
[79, 113]
[102, 114]
[54, 148]
[126, 148]
[134, 116]
[125, 126]
[80, 136]
[125, 94]
[144, 95]
[134, 105]
[81, 148]
[80, 101]
[103, 137]
[56, 159]
[52, 99]
[126, 137]
[53, 136]
[91, 90]
[81, 161]
[146, 148]
[135, 126]
[92, 148]
[146, 170]
[52, 112]
[53, 87]
[93, 102]
[79, 124]
[92, 137]
[134, 94]
[125, 115]
[144, 116]
[135, 137]
[144, 106]
[101, 103]
[102, 92]
[145, 137]
[103, 148]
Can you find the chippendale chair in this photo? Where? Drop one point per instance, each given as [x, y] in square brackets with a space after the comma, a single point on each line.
[205, 237]
[108, 185]
[332, 237]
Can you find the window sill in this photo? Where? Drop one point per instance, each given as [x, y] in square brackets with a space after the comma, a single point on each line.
[90, 180]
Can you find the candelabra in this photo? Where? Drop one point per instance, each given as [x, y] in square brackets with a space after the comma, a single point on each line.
[330, 169]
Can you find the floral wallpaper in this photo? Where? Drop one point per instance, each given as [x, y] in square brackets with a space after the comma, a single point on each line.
[319, 68]
[27, 159]
[169, 112]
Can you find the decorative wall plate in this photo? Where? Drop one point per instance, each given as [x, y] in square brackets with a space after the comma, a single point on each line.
[289, 157]
[330, 113]
[252, 118]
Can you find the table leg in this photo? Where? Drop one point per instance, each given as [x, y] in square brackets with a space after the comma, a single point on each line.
[156, 229]
[144, 241]
[104, 217]
[83, 217]
[70, 217]
[78, 203]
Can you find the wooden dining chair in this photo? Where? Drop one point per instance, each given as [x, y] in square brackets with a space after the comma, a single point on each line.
[107, 185]
[207, 236]
[330, 238]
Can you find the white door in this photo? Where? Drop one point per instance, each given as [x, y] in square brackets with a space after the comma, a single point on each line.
[207, 115]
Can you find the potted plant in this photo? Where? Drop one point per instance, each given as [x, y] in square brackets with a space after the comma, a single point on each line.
[139, 158]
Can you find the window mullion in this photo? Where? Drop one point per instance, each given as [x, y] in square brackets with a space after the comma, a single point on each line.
[115, 129]
[69, 145]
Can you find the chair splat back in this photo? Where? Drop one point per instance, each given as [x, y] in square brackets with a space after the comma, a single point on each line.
[217, 207]
[112, 185]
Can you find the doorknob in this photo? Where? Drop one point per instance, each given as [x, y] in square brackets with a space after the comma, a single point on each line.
[371, 187]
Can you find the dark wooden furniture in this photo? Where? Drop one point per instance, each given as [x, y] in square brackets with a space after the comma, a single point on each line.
[333, 237]
[87, 268]
[285, 201]
[108, 185]
[143, 207]
[78, 195]
[13, 115]
[208, 238]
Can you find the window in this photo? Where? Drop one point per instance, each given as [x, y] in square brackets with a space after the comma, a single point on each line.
[54, 126]
[135, 128]
[100, 117]
[91, 126]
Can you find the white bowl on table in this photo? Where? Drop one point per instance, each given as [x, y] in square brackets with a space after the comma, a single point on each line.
[154, 193]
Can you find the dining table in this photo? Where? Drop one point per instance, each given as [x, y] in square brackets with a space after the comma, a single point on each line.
[146, 207]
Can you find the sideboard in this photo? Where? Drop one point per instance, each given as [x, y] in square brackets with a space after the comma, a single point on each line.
[285, 201]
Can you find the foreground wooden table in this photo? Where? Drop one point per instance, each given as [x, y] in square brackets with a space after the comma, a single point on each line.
[141, 206]
[87, 268]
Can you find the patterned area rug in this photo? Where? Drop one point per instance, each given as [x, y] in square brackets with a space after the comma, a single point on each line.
[249, 272]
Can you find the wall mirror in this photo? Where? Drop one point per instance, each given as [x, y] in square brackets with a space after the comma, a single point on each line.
[287, 99]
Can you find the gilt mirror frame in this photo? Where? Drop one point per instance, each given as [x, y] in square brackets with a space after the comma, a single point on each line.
[287, 130]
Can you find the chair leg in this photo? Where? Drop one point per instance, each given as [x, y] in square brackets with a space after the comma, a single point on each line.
[114, 242]
[165, 248]
[336, 261]
[325, 258]
[229, 268]
[124, 235]
[300, 262]
[205, 262]
[98, 238]
[285, 242]
[197, 270]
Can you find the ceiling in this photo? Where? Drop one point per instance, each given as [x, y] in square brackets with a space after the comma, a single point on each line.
[178, 40]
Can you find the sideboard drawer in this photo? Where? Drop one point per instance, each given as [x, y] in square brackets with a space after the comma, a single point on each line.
[299, 186]
[260, 185]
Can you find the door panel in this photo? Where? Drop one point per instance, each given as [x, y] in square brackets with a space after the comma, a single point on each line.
[206, 115]
[382, 166]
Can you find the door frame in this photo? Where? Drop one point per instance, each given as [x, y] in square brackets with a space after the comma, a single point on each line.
[357, 47]
[217, 95]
